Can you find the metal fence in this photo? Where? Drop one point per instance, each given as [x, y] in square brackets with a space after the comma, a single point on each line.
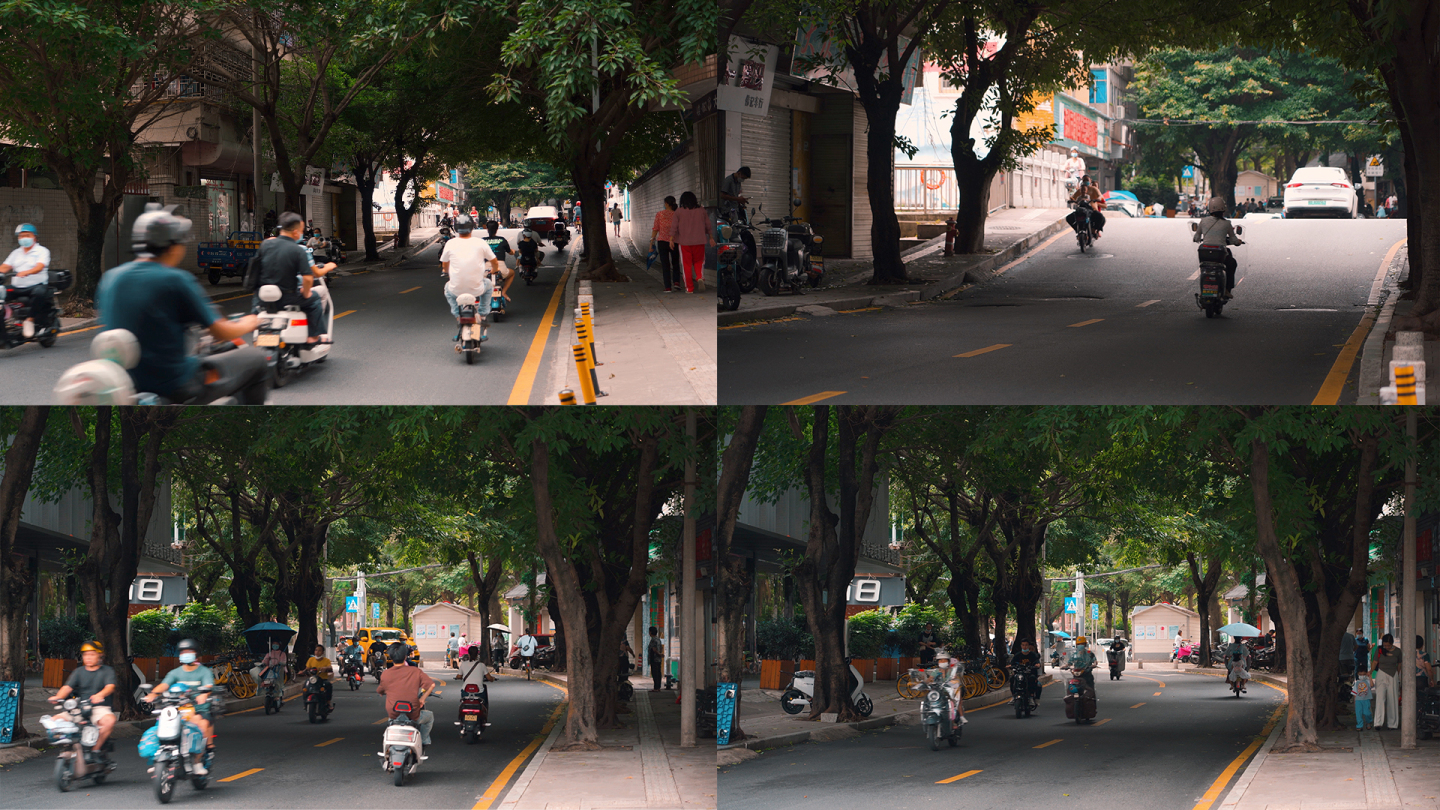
[926, 189]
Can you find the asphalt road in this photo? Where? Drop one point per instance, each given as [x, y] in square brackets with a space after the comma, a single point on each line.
[1143, 751]
[1118, 325]
[393, 343]
[330, 764]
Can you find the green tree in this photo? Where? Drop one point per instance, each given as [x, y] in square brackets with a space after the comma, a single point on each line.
[503, 183]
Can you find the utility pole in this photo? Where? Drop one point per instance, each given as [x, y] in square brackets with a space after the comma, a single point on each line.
[360, 593]
[1080, 614]
[1407, 625]
[688, 642]
[255, 146]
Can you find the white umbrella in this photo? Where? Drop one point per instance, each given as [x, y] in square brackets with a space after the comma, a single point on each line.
[497, 626]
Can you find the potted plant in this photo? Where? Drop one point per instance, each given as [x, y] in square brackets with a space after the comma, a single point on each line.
[780, 642]
[868, 630]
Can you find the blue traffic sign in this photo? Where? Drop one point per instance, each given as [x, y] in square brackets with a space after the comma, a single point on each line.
[1094, 610]
[1070, 604]
[1188, 173]
[375, 610]
[352, 604]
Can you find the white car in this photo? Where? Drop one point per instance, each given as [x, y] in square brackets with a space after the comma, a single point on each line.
[1320, 191]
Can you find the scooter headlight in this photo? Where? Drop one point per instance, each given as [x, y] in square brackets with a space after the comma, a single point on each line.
[934, 696]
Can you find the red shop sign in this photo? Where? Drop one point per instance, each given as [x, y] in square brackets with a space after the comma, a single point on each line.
[1079, 128]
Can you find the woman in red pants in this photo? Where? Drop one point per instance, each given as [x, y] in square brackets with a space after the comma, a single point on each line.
[690, 228]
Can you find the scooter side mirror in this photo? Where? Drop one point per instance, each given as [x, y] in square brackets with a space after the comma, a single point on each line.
[1194, 227]
[1239, 229]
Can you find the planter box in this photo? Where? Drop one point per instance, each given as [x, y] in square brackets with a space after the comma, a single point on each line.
[775, 674]
[905, 663]
[887, 669]
[866, 667]
[155, 668]
[57, 670]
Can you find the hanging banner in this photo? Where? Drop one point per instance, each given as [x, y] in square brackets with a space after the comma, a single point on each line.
[275, 184]
[314, 181]
[749, 78]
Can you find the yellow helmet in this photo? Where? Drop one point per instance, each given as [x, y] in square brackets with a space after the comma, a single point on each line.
[1080, 640]
[92, 646]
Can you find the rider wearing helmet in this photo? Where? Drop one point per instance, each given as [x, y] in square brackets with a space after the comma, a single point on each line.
[192, 675]
[1082, 662]
[469, 262]
[156, 301]
[500, 246]
[95, 682]
[409, 684]
[30, 262]
[1216, 231]
[1087, 192]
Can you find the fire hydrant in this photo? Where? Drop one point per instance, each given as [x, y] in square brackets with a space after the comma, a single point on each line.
[950, 233]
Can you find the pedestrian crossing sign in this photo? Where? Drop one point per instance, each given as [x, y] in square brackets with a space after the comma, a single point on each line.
[1070, 604]
[352, 604]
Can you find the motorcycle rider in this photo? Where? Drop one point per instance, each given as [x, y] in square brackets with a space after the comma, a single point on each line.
[30, 262]
[1237, 669]
[155, 301]
[1087, 192]
[500, 246]
[1074, 165]
[321, 667]
[527, 645]
[193, 675]
[406, 683]
[285, 263]
[95, 681]
[473, 671]
[730, 197]
[469, 257]
[1082, 663]
[1118, 644]
[272, 666]
[1216, 231]
[1029, 656]
[953, 674]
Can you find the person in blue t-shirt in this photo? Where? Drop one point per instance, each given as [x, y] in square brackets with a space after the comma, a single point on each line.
[156, 301]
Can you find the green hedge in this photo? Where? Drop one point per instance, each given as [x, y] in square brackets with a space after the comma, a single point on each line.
[62, 636]
[869, 631]
[784, 639]
[911, 622]
[149, 632]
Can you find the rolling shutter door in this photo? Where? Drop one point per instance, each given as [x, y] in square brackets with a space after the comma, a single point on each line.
[765, 148]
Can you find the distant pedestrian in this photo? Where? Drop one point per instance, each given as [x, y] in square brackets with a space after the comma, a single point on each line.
[1363, 691]
[654, 654]
[616, 217]
[270, 219]
[1392, 203]
[668, 253]
[1362, 654]
[1380, 214]
[1385, 671]
[691, 230]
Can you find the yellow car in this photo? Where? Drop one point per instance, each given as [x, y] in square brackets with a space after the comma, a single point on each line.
[376, 640]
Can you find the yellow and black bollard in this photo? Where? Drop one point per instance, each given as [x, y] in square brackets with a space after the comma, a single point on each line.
[582, 370]
[567, 397]
[1405, 393]
[590, 325]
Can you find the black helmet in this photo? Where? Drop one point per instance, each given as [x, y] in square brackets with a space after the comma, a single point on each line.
[464, 224]
[157, 229]
[188, 644]
[398, 652]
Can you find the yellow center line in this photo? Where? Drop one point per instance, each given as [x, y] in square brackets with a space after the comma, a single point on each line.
[525, 381]
[956, 778]
[381, 720]
[346, 312]
[1157, 694]
[979, 352]
[1152, 680]
[1224, 778]
[1335, 380]
[493, 792]
[231, 298]
[78, 331]
[412, 289]
[813, 398]
[327, 742]
[1147, 303]
[1103, 722]
[862, 309]
[240, 775]
[1137, 705]
[1086, 323]
[1052, 742]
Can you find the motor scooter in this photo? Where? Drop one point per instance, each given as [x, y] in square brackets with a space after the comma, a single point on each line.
[472, 329]
[105, 378]
[560, 236]
[1427, 706]
[315, 703]
[284, 333]
[14, 311]
[1080, 700]
[529, 256]
[402, 748]
[75, 734]
[1024, 690]
[173, 740]
[937, 710]
[789, 256]
[1213, 282]
[801, 691]
[474, 713]
[1085, 233]
[1116, 659]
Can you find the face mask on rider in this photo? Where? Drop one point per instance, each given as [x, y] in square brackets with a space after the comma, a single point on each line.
[1080, 648]
[274, 646]
[187, 658]
[27, 241]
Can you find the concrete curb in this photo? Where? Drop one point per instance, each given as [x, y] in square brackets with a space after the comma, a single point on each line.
[981, 271]
[1237, 790]
[388, 263]
[794, 737]
[1372, 371]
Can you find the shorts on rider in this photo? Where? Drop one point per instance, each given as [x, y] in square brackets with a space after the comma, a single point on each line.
[483, 300]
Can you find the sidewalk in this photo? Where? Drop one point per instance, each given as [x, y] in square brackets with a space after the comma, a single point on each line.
[766, 725]
[654, 347]
[1009, 234]
[230, 288]
[1384, 307]
[642, 765]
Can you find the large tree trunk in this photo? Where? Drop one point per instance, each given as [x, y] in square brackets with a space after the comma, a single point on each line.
[589, 181]
[881, 100]
[1205, 598]
[17, 586]
[403, 212]
[92, 218]
[972, 177]
[365, 174]
[485, 587]
[735, 581]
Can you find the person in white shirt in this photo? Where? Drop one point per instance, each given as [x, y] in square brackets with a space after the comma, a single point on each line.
[474, 672]
[30, 262]
[1074, 166]
[527, 645]
[465, 260]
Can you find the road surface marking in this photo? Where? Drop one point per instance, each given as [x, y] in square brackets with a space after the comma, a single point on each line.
[1193, 277]
[231, 298]
[1137, 705]
[1241, 281]
[813, 398]
[412, 289]
[1038, 248]
[1224, 778]
[979, 352]
[1103, 722]
[1086, 323]
[1340, 371]
[1147, 303]
[525, 381]
[381, 720]
[327, 742]
[77, 331]
[493, 792]
[1152, 680]
[1157, 694]
[862, 309]
[956, 778]
[240, 775]
[1052, 742]
[343, 314]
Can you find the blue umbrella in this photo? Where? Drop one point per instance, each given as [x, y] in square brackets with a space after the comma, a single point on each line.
[1239, 630]
[1060, 633]
[258, 638]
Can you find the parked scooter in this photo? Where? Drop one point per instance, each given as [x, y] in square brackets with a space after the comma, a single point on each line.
[1080, 700]
[14, 311]
[937, 711]
[1213, 293]
[789, 256]
[284, 333]
[402, 749]
[173, 740]
[76, 736]
[801, 691]
[1427, 704]
[472, 327]
[1024, 690]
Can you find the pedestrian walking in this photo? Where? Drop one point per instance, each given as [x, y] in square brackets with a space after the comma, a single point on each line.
[654, 654]
[616, 216]
[1363, 691]
[667, 252]
[1387, 693]
[691, 230]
